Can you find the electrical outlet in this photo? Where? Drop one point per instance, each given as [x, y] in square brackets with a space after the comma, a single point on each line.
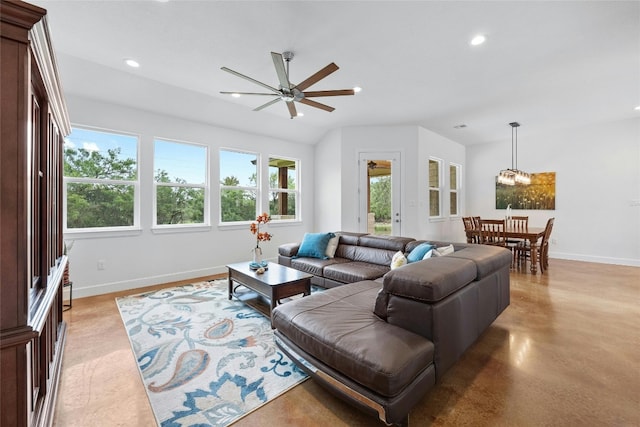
[101, 264]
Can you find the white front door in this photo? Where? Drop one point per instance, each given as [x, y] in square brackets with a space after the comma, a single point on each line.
[380, 193]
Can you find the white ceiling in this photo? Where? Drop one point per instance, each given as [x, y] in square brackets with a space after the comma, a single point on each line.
[546, 64]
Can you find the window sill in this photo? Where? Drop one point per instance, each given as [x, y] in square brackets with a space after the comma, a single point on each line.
[101, 233]
[244, 224]
[180, 228]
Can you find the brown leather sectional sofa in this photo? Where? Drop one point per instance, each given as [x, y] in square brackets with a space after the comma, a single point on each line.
[383, 341]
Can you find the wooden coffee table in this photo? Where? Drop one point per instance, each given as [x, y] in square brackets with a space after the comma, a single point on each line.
[276, 283]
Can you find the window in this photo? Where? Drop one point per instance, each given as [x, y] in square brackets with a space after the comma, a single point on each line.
[283, 188]
[101, 180]
[454, 187]
[180, 177]
[238, 186]
[434, 187]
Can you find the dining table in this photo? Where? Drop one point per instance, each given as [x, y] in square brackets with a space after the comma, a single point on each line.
[530, 234]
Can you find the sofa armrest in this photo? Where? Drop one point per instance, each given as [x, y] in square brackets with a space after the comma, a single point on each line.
[289, 249]
[425, 282]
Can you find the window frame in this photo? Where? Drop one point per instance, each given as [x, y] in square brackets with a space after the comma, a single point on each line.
[455, 188]
[222, 187]
[437, 189]
[296, 192]
[66, 180]
[205, 186]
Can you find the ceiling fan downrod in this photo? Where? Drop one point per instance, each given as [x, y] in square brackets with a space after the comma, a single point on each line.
[287, 56]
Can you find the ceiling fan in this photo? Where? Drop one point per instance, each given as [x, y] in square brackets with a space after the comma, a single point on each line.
[288, 92]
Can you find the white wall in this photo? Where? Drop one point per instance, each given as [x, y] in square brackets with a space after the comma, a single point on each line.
[371, 139]
[446, 228]
[337, 203]
[328, 182]
[146, 257]
[597, 215]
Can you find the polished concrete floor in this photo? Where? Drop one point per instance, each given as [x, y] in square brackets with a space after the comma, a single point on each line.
[566, 352]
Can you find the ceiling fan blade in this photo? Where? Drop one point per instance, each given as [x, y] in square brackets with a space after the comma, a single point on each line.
[266, 86]
[315, 78]
[292, 109]
[278, 61]
[248, 93]
[329, 93]
[263, 106]
[316, 104]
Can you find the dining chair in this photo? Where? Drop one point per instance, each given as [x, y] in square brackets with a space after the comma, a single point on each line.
[542, 250]
[476, 222]
[470, 229]
[517, 223]
[492, 232]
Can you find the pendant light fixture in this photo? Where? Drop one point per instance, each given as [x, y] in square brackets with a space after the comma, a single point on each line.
[513, 175]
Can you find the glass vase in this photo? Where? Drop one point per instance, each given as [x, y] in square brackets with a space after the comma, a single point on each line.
[257, 255]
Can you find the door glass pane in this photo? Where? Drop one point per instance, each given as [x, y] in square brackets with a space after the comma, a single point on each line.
[379, 200]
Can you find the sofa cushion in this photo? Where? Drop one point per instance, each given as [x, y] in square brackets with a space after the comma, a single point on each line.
[332, 246]
[373, 255]
[355, 271]
[398, 260]
[314, 245]
[339, 328]
[484, 256]
[443, 250]
[430, 280]
[419, 252]
[315, 266]
[390, 243]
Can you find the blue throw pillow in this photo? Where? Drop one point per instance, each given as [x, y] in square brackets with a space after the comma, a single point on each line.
[418, 252]
[314, 245]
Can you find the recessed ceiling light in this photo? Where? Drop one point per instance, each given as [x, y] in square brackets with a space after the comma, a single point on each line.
[235, 95]
[300, 114]
[357, 89]
[478, 40]
[132, 63]
[637, 108]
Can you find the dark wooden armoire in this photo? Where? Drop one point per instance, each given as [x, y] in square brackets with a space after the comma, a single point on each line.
[34, 121]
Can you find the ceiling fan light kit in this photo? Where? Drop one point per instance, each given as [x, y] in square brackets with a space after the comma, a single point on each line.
[288, 92]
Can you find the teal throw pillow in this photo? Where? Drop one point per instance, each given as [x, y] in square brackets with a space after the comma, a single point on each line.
[418, 252]
[314, 245]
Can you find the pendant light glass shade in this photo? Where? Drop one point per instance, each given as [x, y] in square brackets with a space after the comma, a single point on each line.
[513, 175]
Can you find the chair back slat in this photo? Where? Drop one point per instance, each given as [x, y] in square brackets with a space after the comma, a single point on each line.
[518, 223]
[492, 232]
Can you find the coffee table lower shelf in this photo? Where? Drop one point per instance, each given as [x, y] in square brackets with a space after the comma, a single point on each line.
[265, 291]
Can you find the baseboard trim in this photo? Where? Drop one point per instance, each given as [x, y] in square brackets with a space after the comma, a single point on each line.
[125, 285]
[597, 259]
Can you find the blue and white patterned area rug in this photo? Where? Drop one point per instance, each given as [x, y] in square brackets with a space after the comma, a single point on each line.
[204, 360]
